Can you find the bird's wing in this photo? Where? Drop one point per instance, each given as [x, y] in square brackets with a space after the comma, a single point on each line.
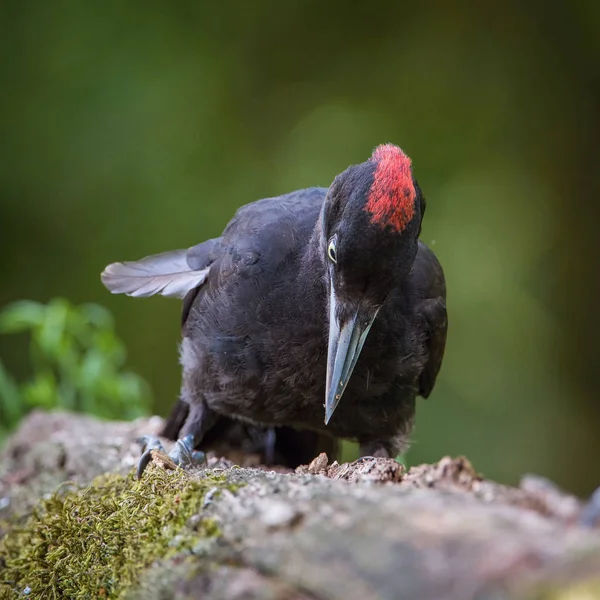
[429, 279]
[299, 209]
[263, 235]
[172, 273]
[184, 273]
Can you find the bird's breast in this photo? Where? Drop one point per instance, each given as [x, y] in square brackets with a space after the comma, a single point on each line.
[261, 355]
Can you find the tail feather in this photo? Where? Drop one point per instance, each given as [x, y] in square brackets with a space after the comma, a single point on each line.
[168, 274]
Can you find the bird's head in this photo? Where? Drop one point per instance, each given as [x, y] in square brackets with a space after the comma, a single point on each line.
[370, 222]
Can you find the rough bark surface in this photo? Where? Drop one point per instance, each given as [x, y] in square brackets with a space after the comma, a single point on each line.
[361, 530]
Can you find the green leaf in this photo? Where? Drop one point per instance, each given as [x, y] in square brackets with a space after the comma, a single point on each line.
[50, 333]
[41, 392]
[21, 316]
[77, 362]
[97, 315]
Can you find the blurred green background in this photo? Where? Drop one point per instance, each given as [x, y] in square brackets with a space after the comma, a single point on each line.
[127, 129]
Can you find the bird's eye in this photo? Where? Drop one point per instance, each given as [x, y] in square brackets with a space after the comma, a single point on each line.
[331, 251]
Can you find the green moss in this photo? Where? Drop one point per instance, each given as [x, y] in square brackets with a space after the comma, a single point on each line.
[94, 543]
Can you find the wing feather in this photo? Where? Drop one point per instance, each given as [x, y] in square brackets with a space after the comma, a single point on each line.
[168, 274]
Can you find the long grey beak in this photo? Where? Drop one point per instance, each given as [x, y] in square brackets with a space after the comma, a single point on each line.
[345, 344]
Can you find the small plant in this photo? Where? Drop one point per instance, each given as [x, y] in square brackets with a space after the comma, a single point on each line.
[77, 364]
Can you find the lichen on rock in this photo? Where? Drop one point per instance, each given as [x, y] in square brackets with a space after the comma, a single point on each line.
[95, 542]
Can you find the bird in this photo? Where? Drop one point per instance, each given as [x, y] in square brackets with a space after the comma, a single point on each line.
[319, 310]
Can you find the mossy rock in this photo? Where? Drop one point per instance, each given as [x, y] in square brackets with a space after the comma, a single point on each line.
[365, 530]
[95, 542]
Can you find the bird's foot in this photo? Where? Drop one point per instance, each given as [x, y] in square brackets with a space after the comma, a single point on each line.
[182, 454]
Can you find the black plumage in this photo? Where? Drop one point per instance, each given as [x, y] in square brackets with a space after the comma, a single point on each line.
[276, 310]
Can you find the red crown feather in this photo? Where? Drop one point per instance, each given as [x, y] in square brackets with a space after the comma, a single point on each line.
[391, 200]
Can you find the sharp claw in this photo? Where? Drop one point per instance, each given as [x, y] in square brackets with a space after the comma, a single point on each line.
[182, 454]
[145, 460]
[148, 443]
